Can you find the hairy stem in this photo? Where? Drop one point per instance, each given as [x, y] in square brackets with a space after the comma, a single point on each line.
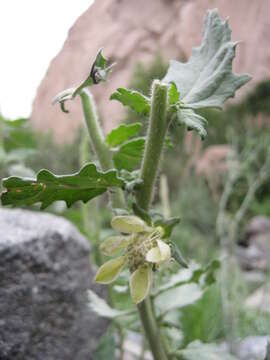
[154, 144]
[98, 142]
[155, 139]
[90, 211]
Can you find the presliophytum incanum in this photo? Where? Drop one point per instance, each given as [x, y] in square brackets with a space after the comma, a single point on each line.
[143, 251]
[126, 168]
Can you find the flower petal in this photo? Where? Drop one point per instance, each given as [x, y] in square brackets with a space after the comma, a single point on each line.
[154, 255]
[114, 244]
[165, 250]
[140, 283]
[128, 224]
[109, 271]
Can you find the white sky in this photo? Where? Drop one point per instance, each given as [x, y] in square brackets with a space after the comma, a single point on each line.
[31, 34]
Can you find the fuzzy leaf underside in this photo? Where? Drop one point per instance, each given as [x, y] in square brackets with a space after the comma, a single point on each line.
[122, 133]
[207, 80]
[129, 154]
[88, 183]
[133, 99]
[192, 121]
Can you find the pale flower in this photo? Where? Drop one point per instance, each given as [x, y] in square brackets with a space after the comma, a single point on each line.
[142, 249]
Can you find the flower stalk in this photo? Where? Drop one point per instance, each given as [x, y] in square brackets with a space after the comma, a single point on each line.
[98, 142]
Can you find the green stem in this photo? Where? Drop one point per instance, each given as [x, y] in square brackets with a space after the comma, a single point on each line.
[104, 156]
[155, 139]
[98, 142]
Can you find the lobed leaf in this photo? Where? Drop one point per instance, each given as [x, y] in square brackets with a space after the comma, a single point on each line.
[207, 80]
[122, 133]
[129, 154]
[135, 100]
[47, 187]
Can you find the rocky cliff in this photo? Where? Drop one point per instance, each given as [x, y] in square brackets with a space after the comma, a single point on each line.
[132, 31]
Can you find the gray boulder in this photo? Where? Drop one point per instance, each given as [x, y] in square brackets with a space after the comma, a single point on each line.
[254, 253]
[253, 348]
[45, 274]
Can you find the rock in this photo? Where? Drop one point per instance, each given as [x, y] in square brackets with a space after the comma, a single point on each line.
[129, 35]
[254, 252]
[260, 299]
[253, 348]
[257, 226]
[45, 274]
[213, 164]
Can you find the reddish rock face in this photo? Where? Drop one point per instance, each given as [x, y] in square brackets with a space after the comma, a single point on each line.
[132, 31]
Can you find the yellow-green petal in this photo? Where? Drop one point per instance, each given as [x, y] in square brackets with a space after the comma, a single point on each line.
[128, 224]
[140, 283]
[164, 249]
[159, 253]
[154, 255]
[109, 271]
[114, 244]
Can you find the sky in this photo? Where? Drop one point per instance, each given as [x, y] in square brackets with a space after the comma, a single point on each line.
[31, 33]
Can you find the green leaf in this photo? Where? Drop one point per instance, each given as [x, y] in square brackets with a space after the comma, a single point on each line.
[110, 270]
[122, 133]
[204, 320]
[106, 347]
[140, 283]
[129, 155]
[197, 350]
[205, 276]
[173, 94]
[135, 100]
[47, 187]
[167, 225]
[132, 179]
[17, 123]
[192, 121]
[177, 255]
[142, 214]
[101, 308]
[178, 297]
[206, 80]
